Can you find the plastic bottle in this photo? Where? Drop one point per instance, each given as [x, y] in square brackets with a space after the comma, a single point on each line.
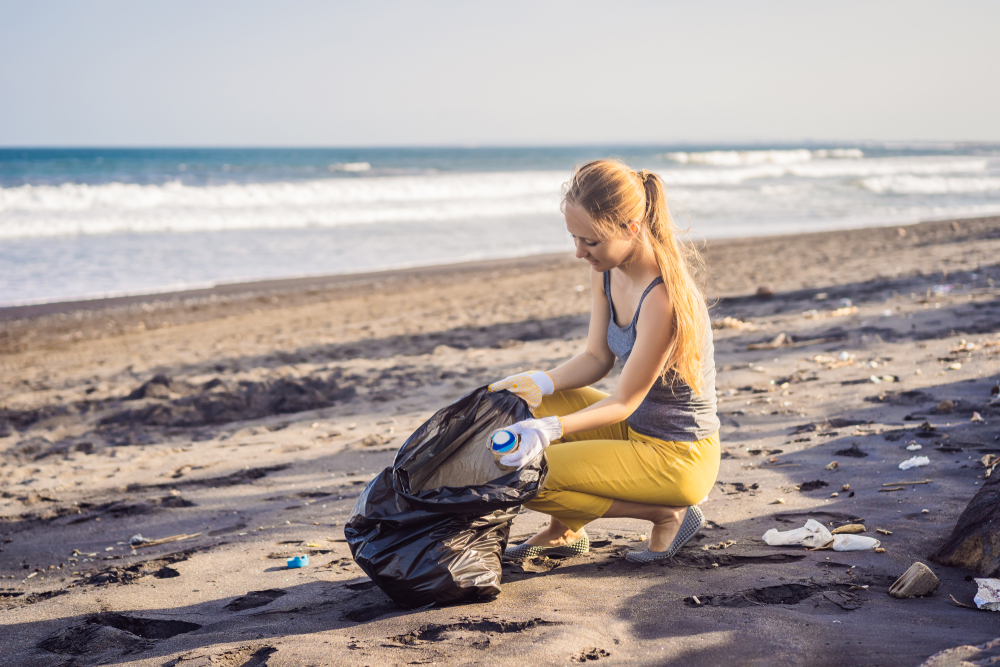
[503, 443]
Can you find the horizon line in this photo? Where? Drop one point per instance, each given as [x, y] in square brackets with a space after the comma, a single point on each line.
[476, 146]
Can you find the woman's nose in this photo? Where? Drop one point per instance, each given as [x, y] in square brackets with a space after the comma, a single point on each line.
[581, 252]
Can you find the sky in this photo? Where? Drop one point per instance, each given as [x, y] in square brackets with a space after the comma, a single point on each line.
[300, 73]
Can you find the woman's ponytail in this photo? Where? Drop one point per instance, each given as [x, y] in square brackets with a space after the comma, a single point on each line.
[675, 261]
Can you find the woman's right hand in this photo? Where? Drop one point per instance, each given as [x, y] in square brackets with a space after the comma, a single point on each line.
[529, 386]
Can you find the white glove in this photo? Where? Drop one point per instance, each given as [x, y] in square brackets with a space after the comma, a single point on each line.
[535, 434]
[529, 386]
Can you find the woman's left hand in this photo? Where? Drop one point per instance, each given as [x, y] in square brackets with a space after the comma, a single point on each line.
[535, 435]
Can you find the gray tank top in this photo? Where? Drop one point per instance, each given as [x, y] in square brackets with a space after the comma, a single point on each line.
[670, 411]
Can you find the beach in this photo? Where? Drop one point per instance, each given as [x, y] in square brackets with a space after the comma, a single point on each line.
[245, 419]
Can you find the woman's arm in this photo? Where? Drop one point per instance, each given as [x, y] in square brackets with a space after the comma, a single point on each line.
[597, 360]
[654, 331]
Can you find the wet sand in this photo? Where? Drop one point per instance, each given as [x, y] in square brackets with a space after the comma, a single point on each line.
[249, 417]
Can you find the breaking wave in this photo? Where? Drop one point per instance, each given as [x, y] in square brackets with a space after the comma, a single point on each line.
[907, 184]
[74, 208]
[740, 158]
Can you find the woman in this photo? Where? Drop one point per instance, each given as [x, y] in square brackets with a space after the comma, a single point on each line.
[650, 450]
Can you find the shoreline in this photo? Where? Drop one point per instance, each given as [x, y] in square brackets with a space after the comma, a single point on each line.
[245, 290]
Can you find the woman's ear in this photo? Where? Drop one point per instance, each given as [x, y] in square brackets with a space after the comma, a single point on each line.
[634, 227]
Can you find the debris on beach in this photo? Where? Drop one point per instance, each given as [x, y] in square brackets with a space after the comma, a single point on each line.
[811, 486]
[946, 406]
[976, 417]
[138, 541]
[913, 446]
[732, 323]
[765, 292]
[850, 528]
[915, 462]
[815, 536]
[298, 561]
[853, 451]
[989, 462]
[988, 595]
[776, 342]
[720, 545]
[853, 543]
[917, 581]
[785, 340]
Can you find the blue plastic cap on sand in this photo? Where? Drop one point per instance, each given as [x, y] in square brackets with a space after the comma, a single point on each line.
[298, 561]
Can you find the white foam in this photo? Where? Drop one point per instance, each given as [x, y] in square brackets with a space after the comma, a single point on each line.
[740, 158]
[350, 166]
[816, 189]
[821, 169]
[930, 185]
[71, 208]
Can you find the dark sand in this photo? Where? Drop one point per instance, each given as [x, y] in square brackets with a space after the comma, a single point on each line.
[280, 400]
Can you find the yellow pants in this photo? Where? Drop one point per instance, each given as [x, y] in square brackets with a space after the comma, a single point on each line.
[590, 470]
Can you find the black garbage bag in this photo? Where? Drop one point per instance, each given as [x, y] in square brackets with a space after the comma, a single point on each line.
[424, 542]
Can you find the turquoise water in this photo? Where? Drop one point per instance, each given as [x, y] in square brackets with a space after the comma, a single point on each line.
[80, 223]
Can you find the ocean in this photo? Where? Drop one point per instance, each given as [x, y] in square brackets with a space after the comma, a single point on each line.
[95, 222]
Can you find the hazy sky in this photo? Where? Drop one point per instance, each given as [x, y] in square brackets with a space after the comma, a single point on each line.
[226, 72]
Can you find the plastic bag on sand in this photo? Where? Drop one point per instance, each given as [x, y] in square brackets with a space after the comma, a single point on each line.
[854, 543]
[915, 462]
[988, 595]
[431, 528]
[813, 534]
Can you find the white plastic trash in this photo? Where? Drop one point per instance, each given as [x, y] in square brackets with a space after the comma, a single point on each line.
[813, 534]
[915, 462]
[988, 595]
[854, 543]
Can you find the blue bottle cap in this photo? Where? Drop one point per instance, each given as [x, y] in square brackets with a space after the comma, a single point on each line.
[298, 561]
[503, 441]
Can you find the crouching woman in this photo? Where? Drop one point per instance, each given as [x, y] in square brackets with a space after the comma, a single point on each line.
[650, 449]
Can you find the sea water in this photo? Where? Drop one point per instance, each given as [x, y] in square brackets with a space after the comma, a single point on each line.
[85, 223]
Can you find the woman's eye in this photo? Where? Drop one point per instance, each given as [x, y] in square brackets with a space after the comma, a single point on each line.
[591, 244]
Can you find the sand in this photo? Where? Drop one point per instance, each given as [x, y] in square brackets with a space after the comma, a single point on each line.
[249, 417]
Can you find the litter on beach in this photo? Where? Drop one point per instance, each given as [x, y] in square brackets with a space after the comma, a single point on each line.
[854, 543]
[816, 536]
[988, 595]
[915, 462]
[138, 541]
[298, 561]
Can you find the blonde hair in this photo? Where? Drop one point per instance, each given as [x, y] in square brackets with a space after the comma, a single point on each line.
[614, 195]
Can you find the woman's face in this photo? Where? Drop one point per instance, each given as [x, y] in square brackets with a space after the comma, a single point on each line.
[603, 254]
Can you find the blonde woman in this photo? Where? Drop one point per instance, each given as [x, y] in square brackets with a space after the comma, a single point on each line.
[650, 449]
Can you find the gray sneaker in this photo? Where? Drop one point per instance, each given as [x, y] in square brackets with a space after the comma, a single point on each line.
[522, 551]
[694, 521]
